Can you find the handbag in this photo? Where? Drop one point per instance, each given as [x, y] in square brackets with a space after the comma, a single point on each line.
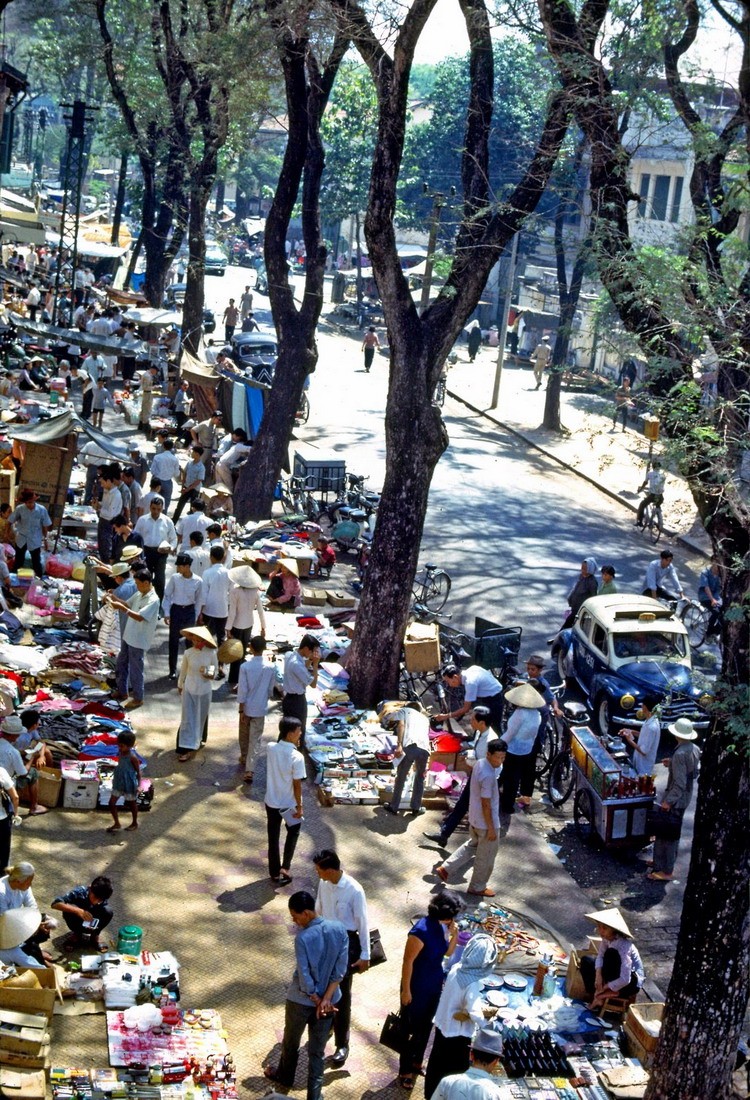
[275, 588]
[394, 1033]
[377, 952]
[665, 824]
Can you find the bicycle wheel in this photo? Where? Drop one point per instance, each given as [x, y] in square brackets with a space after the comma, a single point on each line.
[546, 752]
[584, 815]
[695, 619]
[561, 779]
[652, 522]
[437, 590]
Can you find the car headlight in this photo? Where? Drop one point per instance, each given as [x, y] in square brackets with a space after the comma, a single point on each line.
[705, 701]
[627, 701]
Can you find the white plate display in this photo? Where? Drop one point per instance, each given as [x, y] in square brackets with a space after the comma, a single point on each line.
[497, 1000]
[514, 981]
[592, 1021]
[488, 983]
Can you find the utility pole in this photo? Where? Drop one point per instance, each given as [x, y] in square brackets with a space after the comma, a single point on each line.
[438, 202]
[503, 330]
[71, 209]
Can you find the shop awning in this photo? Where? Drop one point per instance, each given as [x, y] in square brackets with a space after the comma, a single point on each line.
[161, 318]
[197, 373]
[57, 427]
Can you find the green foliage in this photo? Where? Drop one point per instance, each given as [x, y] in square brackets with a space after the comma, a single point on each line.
[349, 130]
[432, 153]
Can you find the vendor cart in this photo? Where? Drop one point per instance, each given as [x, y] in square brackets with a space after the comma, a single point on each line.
[611, 802]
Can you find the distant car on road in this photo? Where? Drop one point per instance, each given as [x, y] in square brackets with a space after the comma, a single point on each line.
[215, 262]
[622, 649]
[255, 353]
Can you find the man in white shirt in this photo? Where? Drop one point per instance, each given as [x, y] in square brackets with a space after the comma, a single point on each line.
[159, 539]
[215, 599]
[109, 507]
[484, 824]
[166, 466]
[340, 897]
[645, 741]
[199, 554]
[480, 689]
[244, 603]
[257, 679]
[412, 728]
[300, 673]
[196, 520]
[142, 612]
[285, 770]
[661, 580]
[216, 538]
[182, 604]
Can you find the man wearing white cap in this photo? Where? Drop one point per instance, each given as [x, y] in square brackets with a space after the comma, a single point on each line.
[477, 1082]
[667, 819]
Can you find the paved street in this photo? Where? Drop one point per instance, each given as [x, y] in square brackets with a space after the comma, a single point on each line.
[511, 527]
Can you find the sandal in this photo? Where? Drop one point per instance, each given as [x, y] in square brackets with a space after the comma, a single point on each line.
[247, 777]
[185, 756]
[406, 1081]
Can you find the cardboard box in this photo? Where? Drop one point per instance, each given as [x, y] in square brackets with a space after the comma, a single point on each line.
[314, 597]
[49, 786]
[636, 1049]
[640, 1014]
[23, 1085]
[23, 1032]
[8, 487]
[37, 1000]
[422, 656]
[81, 794]
[341, 599]
[42, 1060]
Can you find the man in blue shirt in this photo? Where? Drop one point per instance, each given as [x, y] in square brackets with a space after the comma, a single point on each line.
[32, 524]
[661, 578]
[709, 595]
[321, 950]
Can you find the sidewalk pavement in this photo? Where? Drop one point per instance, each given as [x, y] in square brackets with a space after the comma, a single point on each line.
[613, 460]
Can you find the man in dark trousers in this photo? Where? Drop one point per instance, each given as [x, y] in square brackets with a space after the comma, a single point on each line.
[340, 897]
[321, 950]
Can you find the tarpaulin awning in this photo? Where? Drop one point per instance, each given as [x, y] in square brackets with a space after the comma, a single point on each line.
[150, 316]
[57, 335]
[57, 427]
[86, 247]
[197, 373]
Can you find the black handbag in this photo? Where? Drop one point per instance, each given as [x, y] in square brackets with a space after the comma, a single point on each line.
[394, 1033]
[377, 953]
[275, 588]
[665, 824]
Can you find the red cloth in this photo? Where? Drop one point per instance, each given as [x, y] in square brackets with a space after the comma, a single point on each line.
[446, 742]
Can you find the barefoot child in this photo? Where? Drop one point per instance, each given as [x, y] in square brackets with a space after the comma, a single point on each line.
[125, 780]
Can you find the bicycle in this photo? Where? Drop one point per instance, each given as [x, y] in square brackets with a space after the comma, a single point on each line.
[561, 777]
[432, 588]
[696, 618]
[653, 521]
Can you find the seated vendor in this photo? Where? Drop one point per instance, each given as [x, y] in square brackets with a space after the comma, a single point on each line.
[17, 926]
[16, 893]
[326, 554]
[86, 913]
[617, 970]
[24, 778]
[284, 589]
[30, 744]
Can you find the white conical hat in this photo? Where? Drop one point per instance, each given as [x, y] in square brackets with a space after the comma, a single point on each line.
[16, 925]
[613, 918]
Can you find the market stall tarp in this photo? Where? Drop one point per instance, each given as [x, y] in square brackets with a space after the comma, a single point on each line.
[159, 318]
[240, 400]
[54, 334]
[49, 431]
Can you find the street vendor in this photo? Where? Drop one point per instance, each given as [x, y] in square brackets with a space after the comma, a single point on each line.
[617, 970]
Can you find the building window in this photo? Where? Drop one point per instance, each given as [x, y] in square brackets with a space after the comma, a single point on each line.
[645, 186]
[660, 198]
[676, 199]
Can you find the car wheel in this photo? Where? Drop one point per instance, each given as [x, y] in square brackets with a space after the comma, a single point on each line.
[603, 715]
[563, 664]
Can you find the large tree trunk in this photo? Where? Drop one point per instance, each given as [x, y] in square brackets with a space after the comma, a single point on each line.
[415, 439]
[307, 91]
[192, 312]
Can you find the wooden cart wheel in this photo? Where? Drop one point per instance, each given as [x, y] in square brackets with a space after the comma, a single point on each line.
[583, 816]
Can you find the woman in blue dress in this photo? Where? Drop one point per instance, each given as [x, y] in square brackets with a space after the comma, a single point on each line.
[430, 941]
[125, 780]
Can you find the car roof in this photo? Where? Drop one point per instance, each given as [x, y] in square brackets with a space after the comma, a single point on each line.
[621, 613]
[251, 338]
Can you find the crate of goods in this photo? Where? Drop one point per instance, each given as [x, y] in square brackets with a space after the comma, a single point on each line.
[341, 599]
[81, 785]
[23, 1032]
[19, 1084]
[30, 991]
[643, 1023]
[49, 785]
[322, 473]
[314, 597]
[422, 648]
